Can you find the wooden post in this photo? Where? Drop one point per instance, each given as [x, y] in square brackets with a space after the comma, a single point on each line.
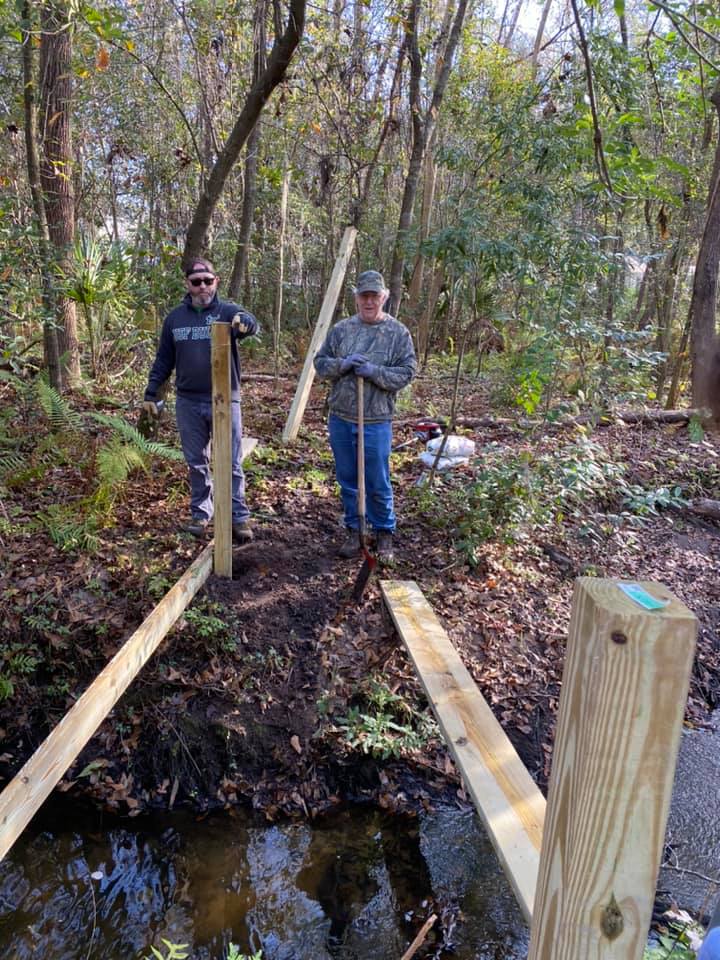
[321, 328]
[28, 789]
[621, 712]
[222, 448]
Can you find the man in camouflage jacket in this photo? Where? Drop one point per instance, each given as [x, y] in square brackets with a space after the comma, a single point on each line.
[373, 345]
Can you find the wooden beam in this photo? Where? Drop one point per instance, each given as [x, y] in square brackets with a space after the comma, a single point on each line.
[507, 799]
[222, 448]
[321, 328]
[29, 788]
[27, 791]
[621, 712]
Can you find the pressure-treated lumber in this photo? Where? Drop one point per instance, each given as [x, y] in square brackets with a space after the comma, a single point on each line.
[222, 448]
[321, 328]
[507, 799]
[620, 718]
[29, 788]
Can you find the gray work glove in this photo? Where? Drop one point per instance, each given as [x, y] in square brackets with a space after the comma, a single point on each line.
[351, 362]
[244, 323]
[366, 369]
[151, 408]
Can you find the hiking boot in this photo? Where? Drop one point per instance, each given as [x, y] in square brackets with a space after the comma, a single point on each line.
[197, 528]
[384, 546]
[242, 532]
[351, 545]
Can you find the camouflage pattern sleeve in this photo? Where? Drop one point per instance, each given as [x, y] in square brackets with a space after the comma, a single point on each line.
[327, 360]
[400, 364]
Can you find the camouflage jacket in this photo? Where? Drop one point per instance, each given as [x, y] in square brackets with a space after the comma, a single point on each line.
[386, 344]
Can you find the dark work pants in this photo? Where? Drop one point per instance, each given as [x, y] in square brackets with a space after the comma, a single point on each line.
[194, 421]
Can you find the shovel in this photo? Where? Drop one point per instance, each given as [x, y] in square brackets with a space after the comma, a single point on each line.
[369, 562]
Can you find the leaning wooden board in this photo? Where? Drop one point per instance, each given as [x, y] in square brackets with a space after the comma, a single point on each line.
[27, 791]
[510, 804]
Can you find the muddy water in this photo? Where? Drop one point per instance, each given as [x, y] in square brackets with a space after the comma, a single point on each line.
[354, 887]
[692, 878]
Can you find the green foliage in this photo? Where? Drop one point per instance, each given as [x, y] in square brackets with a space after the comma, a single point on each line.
[150, 448]
[98, 279]
[213, 623]
[512, 493]
[384, 725]
[675, 943]
[68, 530]
[646, 503]
[62, 417]
[175, 951]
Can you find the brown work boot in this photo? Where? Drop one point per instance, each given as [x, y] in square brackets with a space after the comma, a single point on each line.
[384, 546]
[242, 532]
[351, 545]
[197, 528]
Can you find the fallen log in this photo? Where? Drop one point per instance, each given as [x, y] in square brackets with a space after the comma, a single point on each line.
[705, 508]
[599, 419]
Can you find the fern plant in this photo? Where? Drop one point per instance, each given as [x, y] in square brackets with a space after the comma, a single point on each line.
[67, 530]
[151, 448]
[61, 415]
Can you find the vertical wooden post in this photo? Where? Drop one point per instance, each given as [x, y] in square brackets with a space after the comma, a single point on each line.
[222, 448]
[321, 328]
[621, 711]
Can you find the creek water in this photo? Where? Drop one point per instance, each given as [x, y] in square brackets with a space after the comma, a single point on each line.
[692, 877]
[355, 886]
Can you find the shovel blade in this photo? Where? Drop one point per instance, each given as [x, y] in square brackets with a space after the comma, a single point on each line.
[369, 564]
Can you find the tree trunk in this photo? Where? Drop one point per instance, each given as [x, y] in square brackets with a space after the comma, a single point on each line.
[704, 295]
[242, 253]
[416, 284]
[537, 46]
[258, 95]
[50, 338]
[422, 132]
[56, 166]
[281, 269]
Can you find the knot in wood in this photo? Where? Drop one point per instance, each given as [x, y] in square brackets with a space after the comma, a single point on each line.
[618, 637]
[611, 922]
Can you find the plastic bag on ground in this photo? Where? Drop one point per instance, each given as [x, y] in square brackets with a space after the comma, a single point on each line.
[455, 446]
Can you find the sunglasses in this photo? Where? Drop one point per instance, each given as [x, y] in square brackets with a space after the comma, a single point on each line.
[197, 281]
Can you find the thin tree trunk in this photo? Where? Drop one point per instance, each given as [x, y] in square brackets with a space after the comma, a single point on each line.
[258, 95]
[281, 269]
[540, 33]
[242, 253]
[416, 284]
[56, 166]
[50, 338]
[422, 132]
[703, 304]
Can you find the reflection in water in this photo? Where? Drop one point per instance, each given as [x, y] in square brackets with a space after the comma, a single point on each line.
[350, 888]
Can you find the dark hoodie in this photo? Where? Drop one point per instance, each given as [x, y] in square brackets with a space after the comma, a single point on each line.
[185, 347]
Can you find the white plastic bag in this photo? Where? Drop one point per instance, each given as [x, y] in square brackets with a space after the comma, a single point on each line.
[444, 463]
[455, 446]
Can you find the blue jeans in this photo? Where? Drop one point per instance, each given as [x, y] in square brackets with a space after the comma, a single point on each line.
[379, 494]
[194, 422]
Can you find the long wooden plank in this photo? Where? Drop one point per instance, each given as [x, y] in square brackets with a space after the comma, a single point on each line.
[325, 316]
[509, 802]
[621, 713]
[30, 787]
[27, 791]
[222, 448]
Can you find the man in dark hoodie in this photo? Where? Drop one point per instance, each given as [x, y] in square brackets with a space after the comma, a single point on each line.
[184, 346]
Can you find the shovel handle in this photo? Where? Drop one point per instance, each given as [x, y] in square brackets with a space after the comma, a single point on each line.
[361, 457]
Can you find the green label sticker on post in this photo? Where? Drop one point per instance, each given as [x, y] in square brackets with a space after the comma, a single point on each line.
[642, 597]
